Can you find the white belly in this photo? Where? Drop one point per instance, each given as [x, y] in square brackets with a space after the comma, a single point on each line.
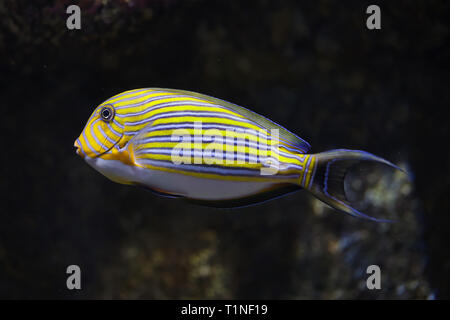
[177, 184]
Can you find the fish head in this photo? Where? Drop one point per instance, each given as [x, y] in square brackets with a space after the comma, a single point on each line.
[103, 130]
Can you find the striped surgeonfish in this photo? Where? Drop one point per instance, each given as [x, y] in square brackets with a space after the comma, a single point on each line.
[184, 144]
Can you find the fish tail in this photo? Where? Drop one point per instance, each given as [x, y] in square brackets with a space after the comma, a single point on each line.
[327, 181]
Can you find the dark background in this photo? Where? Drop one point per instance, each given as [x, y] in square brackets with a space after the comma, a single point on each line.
[312, 66]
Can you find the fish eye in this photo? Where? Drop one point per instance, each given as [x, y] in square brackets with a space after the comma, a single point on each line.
[107, 113]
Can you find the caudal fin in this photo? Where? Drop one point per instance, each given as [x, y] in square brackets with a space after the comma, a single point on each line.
[330, 171]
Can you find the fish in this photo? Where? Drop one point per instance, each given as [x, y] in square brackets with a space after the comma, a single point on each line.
[183, 144]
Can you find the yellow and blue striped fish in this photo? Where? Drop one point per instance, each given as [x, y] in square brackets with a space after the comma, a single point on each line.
[184, 144]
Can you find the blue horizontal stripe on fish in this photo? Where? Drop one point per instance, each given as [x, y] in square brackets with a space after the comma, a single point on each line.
[199, 114]
[213, 155]
[187, 103]
[209, 125]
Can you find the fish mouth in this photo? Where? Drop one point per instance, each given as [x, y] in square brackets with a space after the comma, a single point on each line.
[78, 151]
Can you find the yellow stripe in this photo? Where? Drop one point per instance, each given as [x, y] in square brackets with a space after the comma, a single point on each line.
[204, 120]
[200, 161]
[116, 127]
[310, 170]
[84, 146]
[175, 109]
[110, 133]
[305, 169]
[207, 132]
[153, 103]
[218, 146]
[100, 137]
[89, 135]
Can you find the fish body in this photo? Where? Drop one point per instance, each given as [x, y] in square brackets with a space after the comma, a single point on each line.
[184, 144]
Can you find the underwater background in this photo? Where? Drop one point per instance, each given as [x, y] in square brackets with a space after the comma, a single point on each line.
[311, 66]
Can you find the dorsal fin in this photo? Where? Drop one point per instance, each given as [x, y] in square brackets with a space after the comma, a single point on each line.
[286, 137]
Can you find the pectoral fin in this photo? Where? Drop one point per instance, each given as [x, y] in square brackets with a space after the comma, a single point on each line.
[136, 145]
